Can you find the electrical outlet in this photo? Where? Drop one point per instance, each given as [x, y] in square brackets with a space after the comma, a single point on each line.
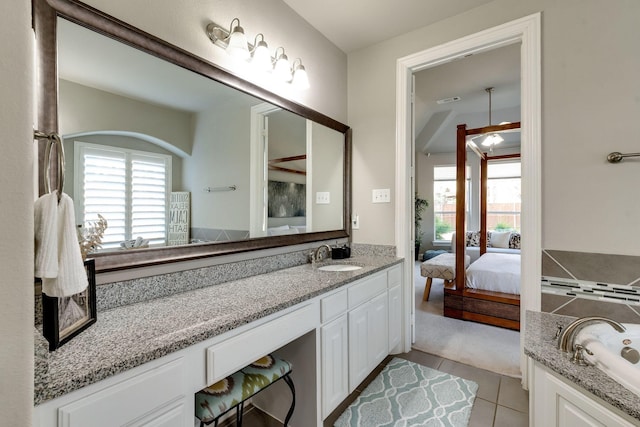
[381, 196]
[355, 222]
[323, 198]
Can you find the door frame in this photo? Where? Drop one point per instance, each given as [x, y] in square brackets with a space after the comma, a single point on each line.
[526, 31]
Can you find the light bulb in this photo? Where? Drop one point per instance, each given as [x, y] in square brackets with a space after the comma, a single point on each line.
[300, 79]
[238, 46]
[282, 69]
[261, 56]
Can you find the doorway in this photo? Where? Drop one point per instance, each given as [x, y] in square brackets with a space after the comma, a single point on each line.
[526, 31]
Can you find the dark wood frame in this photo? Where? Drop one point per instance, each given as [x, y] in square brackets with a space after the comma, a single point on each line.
[45, 13]
[493, 308]
[51, 318]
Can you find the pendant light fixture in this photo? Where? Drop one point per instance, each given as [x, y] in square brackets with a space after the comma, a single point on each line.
[494, 138]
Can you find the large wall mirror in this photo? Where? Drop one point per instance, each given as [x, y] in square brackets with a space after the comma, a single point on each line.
[182, 159]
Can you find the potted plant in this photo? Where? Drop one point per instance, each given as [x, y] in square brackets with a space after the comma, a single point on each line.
[420, 206]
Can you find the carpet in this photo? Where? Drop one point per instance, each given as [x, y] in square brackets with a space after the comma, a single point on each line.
[407, 394]
[483, 346]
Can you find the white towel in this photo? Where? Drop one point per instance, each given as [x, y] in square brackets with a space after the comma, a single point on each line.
[58, 261]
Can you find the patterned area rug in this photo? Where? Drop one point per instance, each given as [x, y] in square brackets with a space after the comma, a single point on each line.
[407, 394]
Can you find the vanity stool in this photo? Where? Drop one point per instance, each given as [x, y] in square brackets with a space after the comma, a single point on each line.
[440, 267]
[231, 392]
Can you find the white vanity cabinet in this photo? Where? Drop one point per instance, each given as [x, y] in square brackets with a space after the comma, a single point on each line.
[335, 364]
[394, 282]
[150, 395]
[368, 326]
[333, 341]
[557, 402]
[361, 324]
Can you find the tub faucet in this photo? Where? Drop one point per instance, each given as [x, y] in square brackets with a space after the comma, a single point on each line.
[567, 337]
[316, 255]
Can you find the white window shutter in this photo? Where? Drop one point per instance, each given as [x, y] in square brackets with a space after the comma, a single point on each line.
[130, 189]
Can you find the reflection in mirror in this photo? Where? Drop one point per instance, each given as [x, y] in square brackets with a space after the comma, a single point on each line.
[170, 157]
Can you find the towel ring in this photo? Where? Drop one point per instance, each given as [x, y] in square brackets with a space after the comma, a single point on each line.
[53, 139]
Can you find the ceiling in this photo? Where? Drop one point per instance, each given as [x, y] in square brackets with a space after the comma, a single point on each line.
[355, 24]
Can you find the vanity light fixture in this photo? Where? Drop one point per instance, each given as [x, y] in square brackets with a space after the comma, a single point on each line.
[235, 43]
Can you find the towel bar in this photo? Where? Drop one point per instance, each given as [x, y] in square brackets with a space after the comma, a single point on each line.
[53, 139]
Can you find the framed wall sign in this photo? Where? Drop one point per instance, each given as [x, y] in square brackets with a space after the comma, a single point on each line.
[64, 318]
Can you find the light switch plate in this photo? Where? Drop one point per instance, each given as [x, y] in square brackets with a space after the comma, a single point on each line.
[381, 196]
[323, 198]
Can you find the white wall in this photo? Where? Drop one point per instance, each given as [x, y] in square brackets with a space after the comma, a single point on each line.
[86, 109]
[590, 101]
[220, 158]
[16, 213]
[328, 171]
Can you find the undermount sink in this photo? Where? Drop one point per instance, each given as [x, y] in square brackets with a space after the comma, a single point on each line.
[339, 267]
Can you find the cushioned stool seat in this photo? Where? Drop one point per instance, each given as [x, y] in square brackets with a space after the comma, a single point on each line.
[232, 391]
[440, 267]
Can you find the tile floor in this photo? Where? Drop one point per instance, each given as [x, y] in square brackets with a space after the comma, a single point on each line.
[500, 402]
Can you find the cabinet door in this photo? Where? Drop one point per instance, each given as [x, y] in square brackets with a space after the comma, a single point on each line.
[170, 416]
[335, 364]
[395, 317]
[378, 330]
[131, 401]
[358, 355]
[559, 404]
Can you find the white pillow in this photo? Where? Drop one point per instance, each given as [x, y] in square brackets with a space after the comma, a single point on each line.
[500, 239]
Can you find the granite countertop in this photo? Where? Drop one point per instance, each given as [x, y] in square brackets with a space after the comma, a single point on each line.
[129, 336]
[541, 346]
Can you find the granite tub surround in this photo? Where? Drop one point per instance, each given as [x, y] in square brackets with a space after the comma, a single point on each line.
[592, 267]
[128, 336]
[541, 345]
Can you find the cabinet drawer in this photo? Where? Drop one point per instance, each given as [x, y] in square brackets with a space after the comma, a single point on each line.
[237, 352]
[367, 289]
[394, 276]
[126, 401]
[334, 305]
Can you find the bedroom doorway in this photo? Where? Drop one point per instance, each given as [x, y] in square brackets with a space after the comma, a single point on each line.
[448, 95]
[525, 31]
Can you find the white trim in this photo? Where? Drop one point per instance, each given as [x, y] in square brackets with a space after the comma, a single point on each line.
[258, 168]
[526, 31]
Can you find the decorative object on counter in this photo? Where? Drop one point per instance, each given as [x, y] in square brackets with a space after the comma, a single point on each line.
[341, 252]
[65, 317]
[90, 237]
[407, 390]
[420, 206]
[179, 218]
[137, 243]
[231, 392]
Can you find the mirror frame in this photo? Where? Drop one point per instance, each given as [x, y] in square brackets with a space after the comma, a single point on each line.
[45, 14]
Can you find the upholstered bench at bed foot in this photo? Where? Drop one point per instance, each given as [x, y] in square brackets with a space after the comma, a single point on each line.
[440, 267]
[231, 392]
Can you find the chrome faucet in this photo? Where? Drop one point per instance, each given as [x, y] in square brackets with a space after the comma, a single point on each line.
[566, 340]
[316, 255]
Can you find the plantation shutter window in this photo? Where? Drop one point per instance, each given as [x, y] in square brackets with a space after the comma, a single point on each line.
[129, 188]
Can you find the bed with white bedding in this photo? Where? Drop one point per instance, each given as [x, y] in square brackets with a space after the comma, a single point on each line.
[495, 272]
